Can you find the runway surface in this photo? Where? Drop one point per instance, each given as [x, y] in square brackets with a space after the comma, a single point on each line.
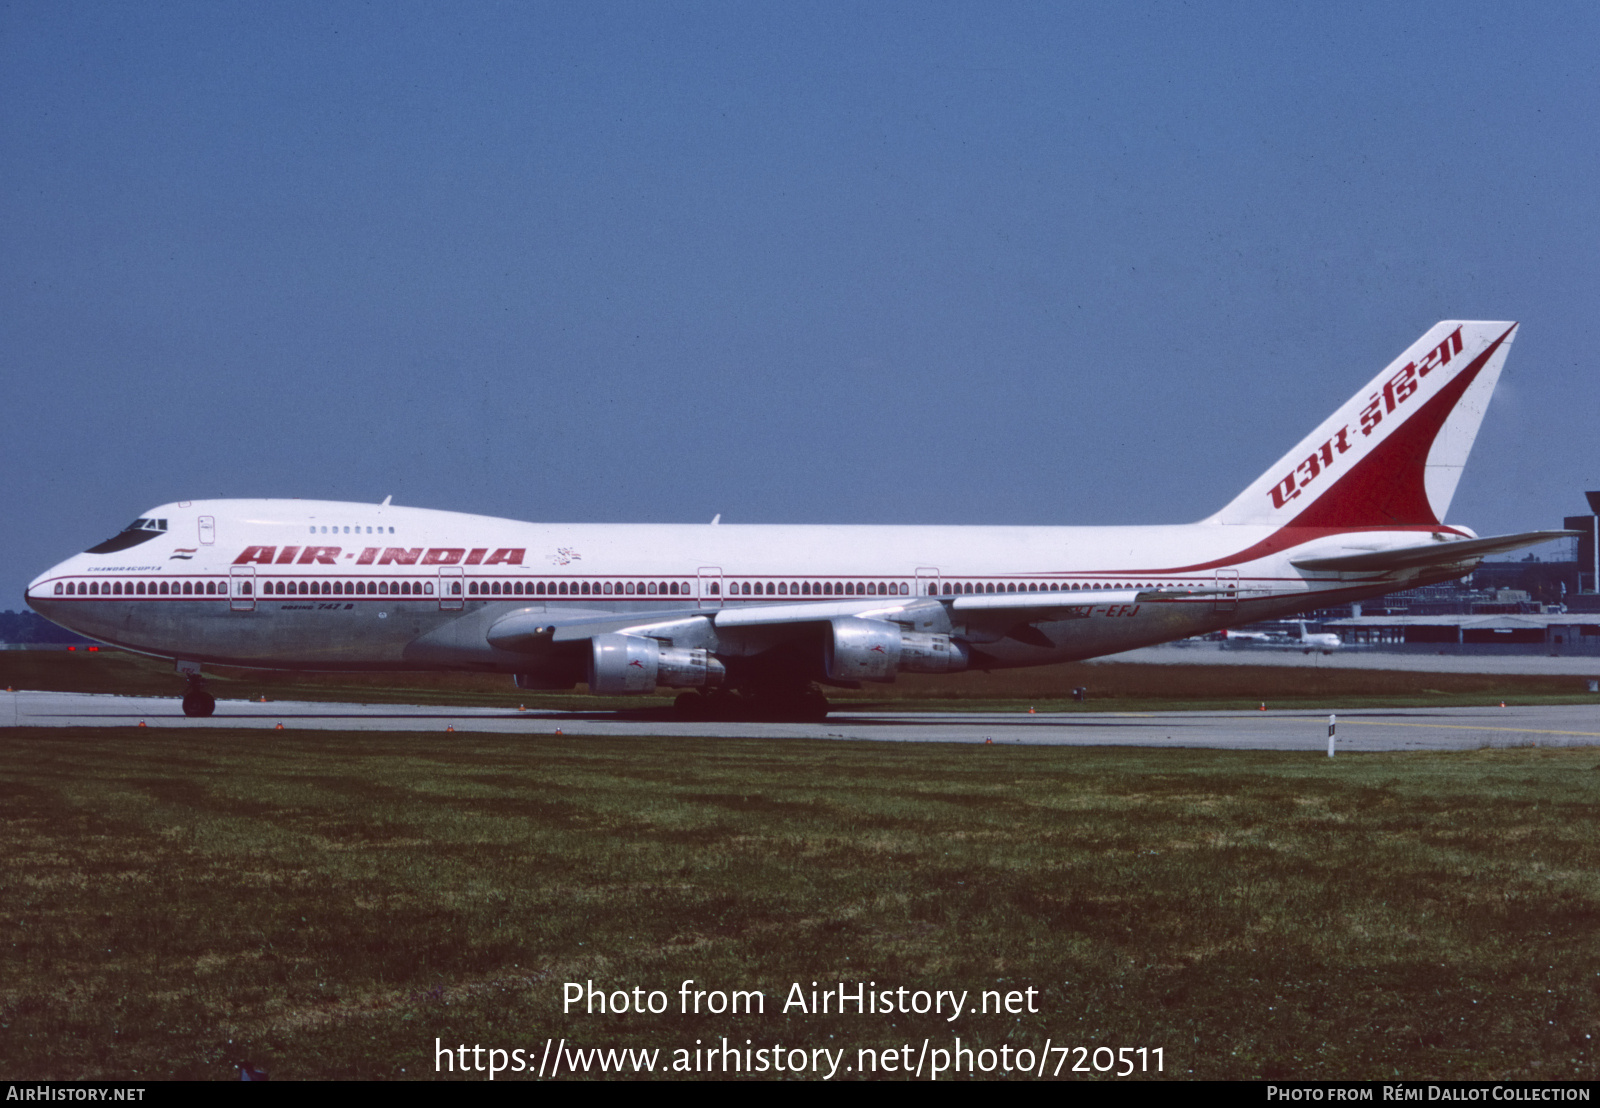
[1366, 729]
[1215, 654]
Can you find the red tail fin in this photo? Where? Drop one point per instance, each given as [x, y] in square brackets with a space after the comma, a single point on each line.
[1392, 455]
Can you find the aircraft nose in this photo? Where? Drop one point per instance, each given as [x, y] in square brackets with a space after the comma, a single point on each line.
[42, 591]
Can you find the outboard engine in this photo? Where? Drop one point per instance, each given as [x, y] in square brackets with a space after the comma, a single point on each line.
[875, 650]
[632, 665]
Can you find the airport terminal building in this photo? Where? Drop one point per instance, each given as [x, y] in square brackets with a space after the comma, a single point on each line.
[1530, 606]
[1530, 633]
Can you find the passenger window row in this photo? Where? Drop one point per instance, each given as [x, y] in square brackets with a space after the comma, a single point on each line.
[268, 588]
[578, 588]
[573, 588]
[880, 588]
[141, 588]
[962, 588]
[816, 588]
[343, 588]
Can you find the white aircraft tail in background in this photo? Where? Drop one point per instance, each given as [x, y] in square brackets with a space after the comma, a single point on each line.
[1307, 642]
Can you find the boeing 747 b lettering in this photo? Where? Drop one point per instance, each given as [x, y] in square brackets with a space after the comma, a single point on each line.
[756, 618]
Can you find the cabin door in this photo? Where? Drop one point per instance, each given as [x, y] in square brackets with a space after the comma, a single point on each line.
[242, 588]
[450, 588]
[1228, 590]
[710, 586]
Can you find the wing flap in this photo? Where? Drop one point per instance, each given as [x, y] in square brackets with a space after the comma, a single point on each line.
[754, 615]
[1042, 601]
[534, 630]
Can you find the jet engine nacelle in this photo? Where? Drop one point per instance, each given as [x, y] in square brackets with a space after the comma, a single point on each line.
[621, 665]
[875, 650]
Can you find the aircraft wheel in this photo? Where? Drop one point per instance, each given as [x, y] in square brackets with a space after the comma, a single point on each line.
[690, 706]
[722, 705]
[198, 703]
[806, 705]
[813, 706]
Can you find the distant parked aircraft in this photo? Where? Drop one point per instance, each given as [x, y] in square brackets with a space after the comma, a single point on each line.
[1296, 639]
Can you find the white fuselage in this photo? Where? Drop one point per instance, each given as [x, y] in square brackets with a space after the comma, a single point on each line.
[327, 585]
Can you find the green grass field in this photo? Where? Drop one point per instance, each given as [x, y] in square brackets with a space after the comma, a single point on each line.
[328, 904]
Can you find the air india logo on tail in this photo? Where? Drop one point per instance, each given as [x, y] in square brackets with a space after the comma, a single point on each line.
[1395, 392]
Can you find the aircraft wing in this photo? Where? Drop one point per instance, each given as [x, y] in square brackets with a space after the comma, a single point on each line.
[1008, 602]
[756, 615]
[1045, 601]
[1429, 554]
[534, 631]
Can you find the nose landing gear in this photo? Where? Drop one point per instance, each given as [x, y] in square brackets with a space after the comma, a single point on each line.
[196, 700]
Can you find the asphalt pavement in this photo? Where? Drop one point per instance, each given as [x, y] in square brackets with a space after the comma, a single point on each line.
[1296, 729]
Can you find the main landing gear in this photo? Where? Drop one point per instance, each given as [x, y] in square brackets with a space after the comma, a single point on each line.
[196, 701]
[803, 704]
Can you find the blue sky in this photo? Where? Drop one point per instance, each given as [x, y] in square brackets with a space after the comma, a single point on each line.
[919, 263]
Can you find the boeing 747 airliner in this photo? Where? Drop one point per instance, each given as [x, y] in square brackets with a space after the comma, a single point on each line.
[755, 618]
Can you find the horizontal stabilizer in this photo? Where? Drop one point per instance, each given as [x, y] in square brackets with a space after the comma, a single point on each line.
[1429, 554]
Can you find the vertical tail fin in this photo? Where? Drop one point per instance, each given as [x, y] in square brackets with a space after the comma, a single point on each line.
[1391, 456]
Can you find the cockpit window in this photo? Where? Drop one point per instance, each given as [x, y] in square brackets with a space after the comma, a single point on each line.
[140, 530]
